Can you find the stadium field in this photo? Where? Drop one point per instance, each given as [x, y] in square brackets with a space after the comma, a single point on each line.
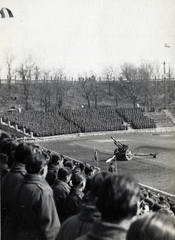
[156, 172]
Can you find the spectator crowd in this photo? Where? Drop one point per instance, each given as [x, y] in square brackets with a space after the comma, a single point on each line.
[45, 196]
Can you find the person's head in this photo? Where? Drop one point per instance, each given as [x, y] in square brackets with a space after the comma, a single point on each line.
[68, 163]
[36, 163]
[153, 226]
[57, 160]
[4, 135]
[82, 166]
[118, 198]
[23, 151]
[78, 180]
[94, 184]
[89, 171]
[64, 174]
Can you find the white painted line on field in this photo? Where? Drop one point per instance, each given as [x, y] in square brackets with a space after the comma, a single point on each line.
[94, 148]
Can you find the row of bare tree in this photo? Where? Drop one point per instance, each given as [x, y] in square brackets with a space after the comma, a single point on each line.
[137, 84]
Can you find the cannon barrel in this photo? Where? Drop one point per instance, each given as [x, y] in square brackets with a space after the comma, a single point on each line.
[120, 145]
[122, 152]
[117, 143]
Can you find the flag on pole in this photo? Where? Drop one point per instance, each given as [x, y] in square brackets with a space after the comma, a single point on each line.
[96, 156]
[166, 45]
[5, 13]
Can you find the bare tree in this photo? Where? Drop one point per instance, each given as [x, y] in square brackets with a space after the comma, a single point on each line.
[130, 83]
[109, 77]
[61, 87]
[86, 87]
[146, 75]
[116, 89]
[95, 90]
[25, 72]
[44, 88]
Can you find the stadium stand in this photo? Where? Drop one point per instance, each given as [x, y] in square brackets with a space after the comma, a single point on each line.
[136, 118]
[67, 121]
[161, 118]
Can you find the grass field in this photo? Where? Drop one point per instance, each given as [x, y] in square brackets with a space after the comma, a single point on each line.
[157, 172]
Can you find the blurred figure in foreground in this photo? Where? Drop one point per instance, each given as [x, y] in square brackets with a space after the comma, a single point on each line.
[118, 201]
[153, 226]
[80, 223]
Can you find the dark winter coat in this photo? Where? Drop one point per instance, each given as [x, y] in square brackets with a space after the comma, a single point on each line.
[34, 211]
[73, 201]
[60, 192]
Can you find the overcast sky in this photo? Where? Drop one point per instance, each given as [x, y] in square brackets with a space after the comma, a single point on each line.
[85, 35]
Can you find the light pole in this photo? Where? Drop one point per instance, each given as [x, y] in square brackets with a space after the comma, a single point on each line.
[164, 85]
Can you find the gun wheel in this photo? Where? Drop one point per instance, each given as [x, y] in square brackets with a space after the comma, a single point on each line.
[128, 155]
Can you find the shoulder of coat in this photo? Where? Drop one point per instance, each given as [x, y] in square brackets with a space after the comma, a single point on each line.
[44, 187]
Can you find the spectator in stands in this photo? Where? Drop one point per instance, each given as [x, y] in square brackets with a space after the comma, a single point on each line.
[166, 211]
[89, 171]
[61, 189]
[144, 208]
[74, 199]
[118, 200]
[111, 167]
[153, 226]
[55, 163]
[35, 215]
[68, 163]
[82, 167]
[79, 224]
[13, 178]
[7, 148]
[161, 203]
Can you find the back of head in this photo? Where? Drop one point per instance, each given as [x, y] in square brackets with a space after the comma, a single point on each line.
[35, 162]
[63, 173]
[154, 226]
[56, 158]
[95, 183]
[118, 198]
[23, 151]
[77, 179]
[4, 135]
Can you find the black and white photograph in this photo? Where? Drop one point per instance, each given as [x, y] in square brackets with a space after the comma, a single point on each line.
[87, 119]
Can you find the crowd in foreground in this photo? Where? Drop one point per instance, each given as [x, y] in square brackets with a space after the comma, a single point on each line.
[45, 196]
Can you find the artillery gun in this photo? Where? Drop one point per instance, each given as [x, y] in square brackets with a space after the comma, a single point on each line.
[122, 152]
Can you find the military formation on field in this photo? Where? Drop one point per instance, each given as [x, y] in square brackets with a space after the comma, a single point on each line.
[67, 121]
